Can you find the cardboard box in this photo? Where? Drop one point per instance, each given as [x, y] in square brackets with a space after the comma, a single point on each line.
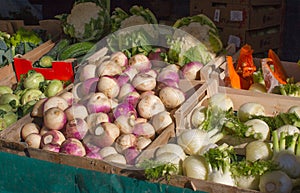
[246, 16]
[261, 40]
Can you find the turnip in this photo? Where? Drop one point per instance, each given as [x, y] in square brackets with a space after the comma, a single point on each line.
[140, 62]
[51, 147]
[167, 74]
[161, 120]
[108, 68]
[95, 119]
[90, 147]
[125, 123]
[130, 72]
[52, 137]
[98, 102]
[150, 105]
[115, 158]
[125, 141]
[125, 89]
[44, 130]
[132, 98]
[156, 58]
[76, 128]
[124, 109]
[191, 70]
[94, 155]
[55, 101]
[76, 110]
[72, 146]
[68, 96]
[55, 118]
[29, 128]
[131, 154]
[38, 108]
[171, 97]
[143, 129]
[108, 86]
[88, 86]
[142, 142]
[144, 82]
[106, 151]
[33, 140]
[120, 59]
[87, 71]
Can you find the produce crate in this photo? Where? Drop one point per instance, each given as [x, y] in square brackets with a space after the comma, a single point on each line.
[62, 70]
[247, 15]
[7, 76]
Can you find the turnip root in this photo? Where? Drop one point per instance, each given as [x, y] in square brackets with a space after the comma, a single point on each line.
[106, 151]
[142, 142]
[76, 128]
[68, 96]
[144, 82]
[125, 123]
[171, 97]
[108, 86]
[120, 59]
[98, 102]
[131, 154]
[72, 146]
[87, 71]
[115, 158]
[140, 62]
[55, 101]
[150, 105]
[33, 140]
[38, 108]
[29, 128]
[51, 147]
[52, 137]
[95, 119]
[88, 86]
[144, 129]
[108, 68]
[55, 118]
[76, 111]
[125, 141]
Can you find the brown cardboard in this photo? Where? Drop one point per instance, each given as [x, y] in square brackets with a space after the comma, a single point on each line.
[260, 40]
[244, 16]
[7, 76]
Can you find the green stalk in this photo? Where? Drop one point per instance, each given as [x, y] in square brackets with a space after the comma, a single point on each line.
[275, 142]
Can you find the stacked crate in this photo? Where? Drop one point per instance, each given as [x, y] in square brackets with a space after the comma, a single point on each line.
[256, 22]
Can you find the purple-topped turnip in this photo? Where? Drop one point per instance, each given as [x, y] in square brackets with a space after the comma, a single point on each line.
[171, 97]
[131, 154]
[161, 120]
[68, 96]
[156, 57]
[190, 71]
[76, 110]
[120, 59]
[94, 119]
[106, 151]
[125, 123]
[38, 108]
[144, 82]
[144, 129]
[130, 72]
[88, 86]
[131, 98]
[29, 128]
[140, 62]
[167, 74]
[126, 109]
[52, 137]
[109, 86]
[108, 68]
[98, 102]
[55, 101]
[33, 140]
[115, 158]
[51, 147]
[125, 141]
[142, 142]
[150, 105]
[72, 146]
[125, 89]
[76, 128]
[87, 71]
[55, 118]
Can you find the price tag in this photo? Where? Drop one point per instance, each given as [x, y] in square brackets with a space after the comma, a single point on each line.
[234, 40]
[217, 15]
[236, 16]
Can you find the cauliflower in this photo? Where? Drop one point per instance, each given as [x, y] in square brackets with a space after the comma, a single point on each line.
[86, 22]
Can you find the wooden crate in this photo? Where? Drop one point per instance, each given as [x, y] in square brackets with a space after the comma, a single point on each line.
[273, 103]
[8, 76]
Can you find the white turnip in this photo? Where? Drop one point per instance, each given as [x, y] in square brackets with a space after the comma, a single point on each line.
[29, 128]
[55, 118]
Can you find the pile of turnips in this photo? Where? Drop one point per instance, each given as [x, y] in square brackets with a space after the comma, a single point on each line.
[117, 107]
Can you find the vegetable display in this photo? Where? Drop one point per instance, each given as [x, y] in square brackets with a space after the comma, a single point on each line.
[269, 77]
[16, 103]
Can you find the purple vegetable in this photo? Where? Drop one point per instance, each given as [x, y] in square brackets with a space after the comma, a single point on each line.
[68, 96]
[144, 82]
[125, 90]
[89, 86]
[119, 58]
[150, 105]
[90, 148]
[94, 155]
[52, 137]
[125, 123]
[76, 128]
[95, 119]
[126, 109]
[98, 102]
[122, 79]
[55, 101]
[132, 98]
[55, 118]
[72, 146]
[190, 71]
[130, 72]
[167, 74]
[87, 71]
[144, 129]
[140, 62]
[76, 111]
[51, 147]
[108, 86]
[156, 58]
[131, 154]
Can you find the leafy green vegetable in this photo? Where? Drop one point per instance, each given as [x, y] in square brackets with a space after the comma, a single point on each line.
[155, 170]
[248, 168]
[279, 120]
